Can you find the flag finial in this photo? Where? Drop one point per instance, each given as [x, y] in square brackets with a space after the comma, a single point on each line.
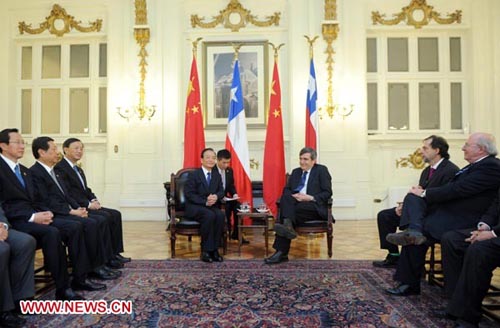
[276, 49]
[236, 47]
[311, 44]
[195, 45]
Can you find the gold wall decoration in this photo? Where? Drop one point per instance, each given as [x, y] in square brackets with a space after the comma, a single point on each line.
[60, 23]
[330, 30]
[254, 164]
[141, 35]
[418, 13]
[415, 160]
[235, 17]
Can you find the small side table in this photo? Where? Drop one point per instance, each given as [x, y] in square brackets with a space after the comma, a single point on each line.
[261, 220]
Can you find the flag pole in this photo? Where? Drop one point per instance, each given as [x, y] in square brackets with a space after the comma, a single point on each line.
[313, 122]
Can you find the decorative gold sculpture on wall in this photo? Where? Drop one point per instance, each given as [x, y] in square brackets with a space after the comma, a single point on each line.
[330, 30]
[60, 23]
[254, 164]
[415, 160]
[234, 17]
[141, 35]
[418, 13]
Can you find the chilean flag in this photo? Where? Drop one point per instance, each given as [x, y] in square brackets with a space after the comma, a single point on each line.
[311, 112]
[236, 140]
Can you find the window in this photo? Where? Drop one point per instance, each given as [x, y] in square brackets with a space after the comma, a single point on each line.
[415, 82]
[62, 87]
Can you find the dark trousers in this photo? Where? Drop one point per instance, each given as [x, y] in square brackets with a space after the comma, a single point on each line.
[414, 212]
[231, 210]
[468, 269]
[94, 232]
[17, 280]
[387, 222]
[114, 218]
[411, 264]
[212, 224]
[48, 237]
[298, 213]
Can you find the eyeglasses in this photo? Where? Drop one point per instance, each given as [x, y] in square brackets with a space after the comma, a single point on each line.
[19, 142]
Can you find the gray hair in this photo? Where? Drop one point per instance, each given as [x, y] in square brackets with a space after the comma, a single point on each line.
[309, 150]
[487, 142]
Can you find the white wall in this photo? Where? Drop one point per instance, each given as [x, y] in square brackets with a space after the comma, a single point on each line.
[363, 168]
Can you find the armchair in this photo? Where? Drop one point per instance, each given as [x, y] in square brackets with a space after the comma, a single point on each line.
[179, 224]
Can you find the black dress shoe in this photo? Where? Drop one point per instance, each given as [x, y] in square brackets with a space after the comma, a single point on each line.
[122, 258]
[116, 273]
[216, 256]
[442, 314]
[10, 319]
[404, 290]
[115, 264]
[276, 258]
[391, 261]
[102, 274]
[243, 240]
[68, 295]
[87, 285]
[205, 257]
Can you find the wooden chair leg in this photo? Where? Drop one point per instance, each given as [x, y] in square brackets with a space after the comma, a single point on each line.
[172, 244]
[329, 240]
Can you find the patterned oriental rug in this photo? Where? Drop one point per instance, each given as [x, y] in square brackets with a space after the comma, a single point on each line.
[247, 293]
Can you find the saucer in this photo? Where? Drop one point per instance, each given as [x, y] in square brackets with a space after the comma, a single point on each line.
[262, 210]
[243, 211]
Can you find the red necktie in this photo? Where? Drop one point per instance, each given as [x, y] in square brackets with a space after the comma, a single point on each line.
[431, 172]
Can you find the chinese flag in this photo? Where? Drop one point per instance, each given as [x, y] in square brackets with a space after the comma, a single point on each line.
[274, 152]
[194, 136]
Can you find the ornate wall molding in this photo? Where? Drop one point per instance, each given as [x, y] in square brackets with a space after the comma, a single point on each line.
[60, 23]
[235, 17]
[418, 13]
[415, 160]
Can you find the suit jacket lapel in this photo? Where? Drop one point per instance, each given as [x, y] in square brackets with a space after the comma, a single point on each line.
[12, 176]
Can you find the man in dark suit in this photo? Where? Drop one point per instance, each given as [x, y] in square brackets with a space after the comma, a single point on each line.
[304, 198]
[17, 278]
[52, 191]
[441, 170]
[227, 176]
[469, 258]
[431, 212]
[75, 179]
[203, 192]
[27, 215]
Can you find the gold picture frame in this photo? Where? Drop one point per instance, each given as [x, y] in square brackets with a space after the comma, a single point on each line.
[218, 58]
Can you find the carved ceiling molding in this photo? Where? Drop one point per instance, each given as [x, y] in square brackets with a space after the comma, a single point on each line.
[235, 17]
[415, 160]
[60, 23]
[418, 14]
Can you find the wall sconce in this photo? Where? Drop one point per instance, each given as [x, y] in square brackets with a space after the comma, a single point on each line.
[141, 34]
[141, 111]
[336, 110]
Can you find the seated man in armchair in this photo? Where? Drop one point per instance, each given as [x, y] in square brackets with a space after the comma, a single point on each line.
[304, 198]
[204, 192]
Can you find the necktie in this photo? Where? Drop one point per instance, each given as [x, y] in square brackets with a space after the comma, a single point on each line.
[53, 175]
[302, 182]
[223, 176]
[79, 175]
[463, 170]
[209, 177]
[17, 171]
[431, 172]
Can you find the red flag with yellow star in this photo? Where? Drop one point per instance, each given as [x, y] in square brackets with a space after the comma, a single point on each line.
[194, 136]
[274, 151]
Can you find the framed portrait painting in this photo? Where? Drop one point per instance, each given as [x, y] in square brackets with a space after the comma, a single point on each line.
[218, 59]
